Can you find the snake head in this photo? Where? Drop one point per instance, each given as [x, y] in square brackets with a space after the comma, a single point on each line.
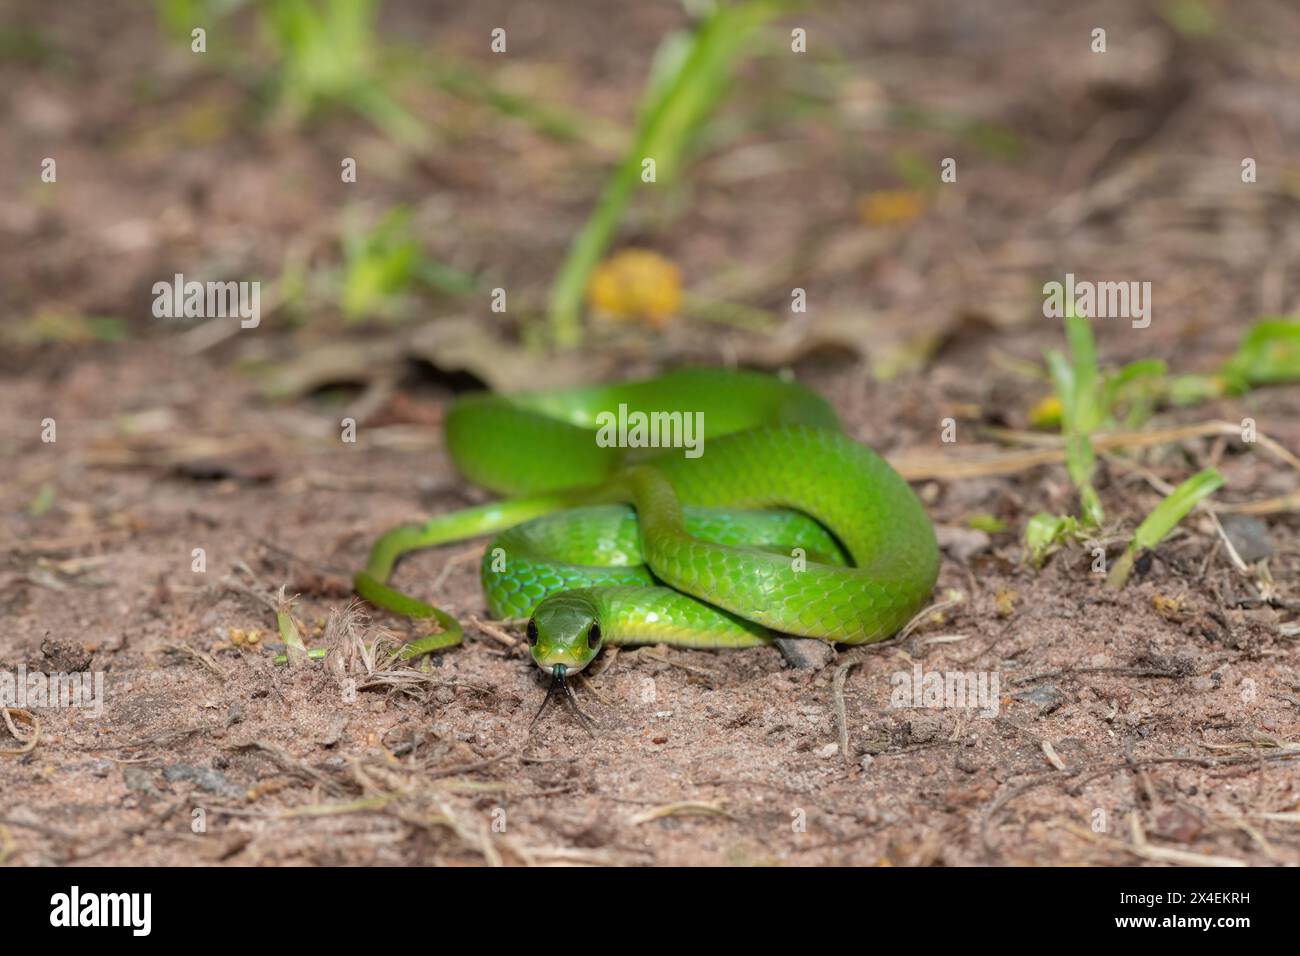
[564, 629]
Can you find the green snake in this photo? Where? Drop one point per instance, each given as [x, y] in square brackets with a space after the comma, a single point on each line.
[775, 523]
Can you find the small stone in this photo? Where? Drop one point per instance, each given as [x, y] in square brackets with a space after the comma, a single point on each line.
[334, 731]
[830, 750]
[205, 778]
[64, 656]
[1249, 535]
[962, 543]
[595, 834]
[877, 740]
[138, 780]
[924, 728]
[973, 493]
[1178, 824]
[1045, 697]
[804, 652]
[224, 847]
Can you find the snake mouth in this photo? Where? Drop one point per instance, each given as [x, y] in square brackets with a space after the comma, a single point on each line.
[564, 668]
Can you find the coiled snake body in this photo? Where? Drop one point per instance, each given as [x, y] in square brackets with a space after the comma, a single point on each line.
[781, 524]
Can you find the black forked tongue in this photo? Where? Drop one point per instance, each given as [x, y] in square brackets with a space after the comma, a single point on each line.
[559, 681]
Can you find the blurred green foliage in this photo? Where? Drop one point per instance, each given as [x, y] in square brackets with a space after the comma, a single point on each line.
[378, 266]
[1268, 354]
[382, 265]
[329, 57]
[1192, 18]
[691, 71]
[179, 17]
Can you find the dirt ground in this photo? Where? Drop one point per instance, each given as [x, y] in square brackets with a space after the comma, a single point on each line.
[1154, 725]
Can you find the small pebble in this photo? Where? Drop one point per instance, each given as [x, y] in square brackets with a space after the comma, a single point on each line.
[805, 653]
[205, 778]
[1249, 535]
[924, 728]
[235, 714]
[1045, 697]
[962, 543]
[138, 780]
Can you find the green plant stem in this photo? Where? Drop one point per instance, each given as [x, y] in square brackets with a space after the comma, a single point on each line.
[678, 101]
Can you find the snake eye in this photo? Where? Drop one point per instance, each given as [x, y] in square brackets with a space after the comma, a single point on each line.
[532, 632]
[593, 636]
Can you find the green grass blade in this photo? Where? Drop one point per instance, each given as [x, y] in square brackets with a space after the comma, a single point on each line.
[1163, 519]
[1087, 411]
[1082, 410]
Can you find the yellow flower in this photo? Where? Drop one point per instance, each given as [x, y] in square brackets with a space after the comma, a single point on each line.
[1005, 602]
[891, 207]
[1170, 608]
[1047, 413]
[636, 284]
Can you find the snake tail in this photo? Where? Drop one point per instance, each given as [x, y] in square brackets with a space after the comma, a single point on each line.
[371, 583]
